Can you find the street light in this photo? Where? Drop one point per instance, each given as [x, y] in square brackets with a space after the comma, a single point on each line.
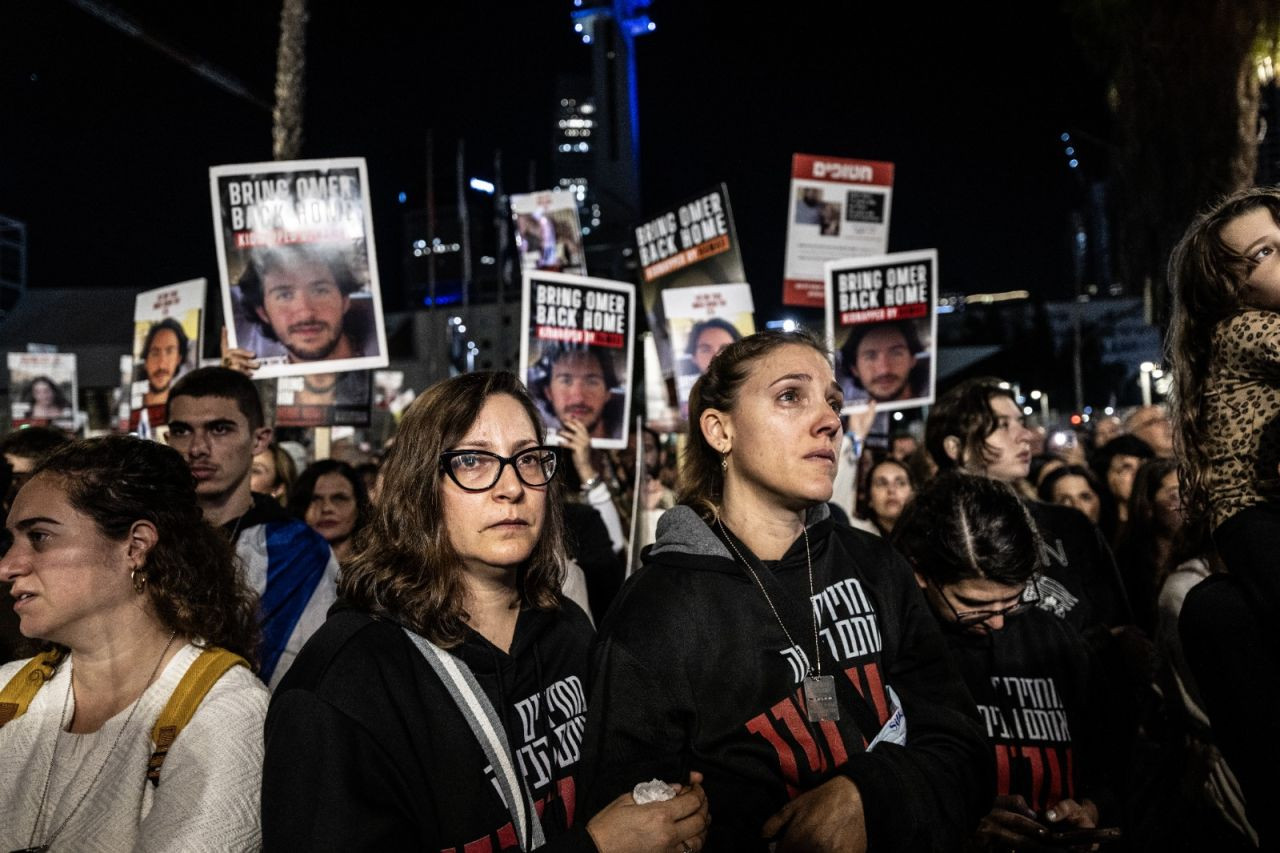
[1044, 405]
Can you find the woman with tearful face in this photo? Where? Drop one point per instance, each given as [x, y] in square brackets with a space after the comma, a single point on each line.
[792, 662]
[441, 706]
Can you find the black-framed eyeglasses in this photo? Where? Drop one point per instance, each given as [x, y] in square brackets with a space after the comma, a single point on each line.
[479, 470]
[969, 618]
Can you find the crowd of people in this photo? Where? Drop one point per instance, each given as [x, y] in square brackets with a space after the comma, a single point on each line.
[801, 637]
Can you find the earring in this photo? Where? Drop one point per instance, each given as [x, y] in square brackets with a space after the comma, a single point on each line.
[139, 579]
[724, 462]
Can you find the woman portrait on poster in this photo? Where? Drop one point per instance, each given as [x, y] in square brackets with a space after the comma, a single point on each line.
[46, 399]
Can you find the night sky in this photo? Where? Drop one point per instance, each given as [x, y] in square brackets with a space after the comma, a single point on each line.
[106, 142]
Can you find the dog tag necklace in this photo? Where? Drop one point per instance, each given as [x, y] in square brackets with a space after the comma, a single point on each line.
[819, 690]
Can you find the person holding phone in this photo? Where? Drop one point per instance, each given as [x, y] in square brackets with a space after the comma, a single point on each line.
[972, 545]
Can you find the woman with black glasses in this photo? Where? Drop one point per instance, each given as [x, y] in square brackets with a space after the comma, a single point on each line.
[974, 551]
[441, 706]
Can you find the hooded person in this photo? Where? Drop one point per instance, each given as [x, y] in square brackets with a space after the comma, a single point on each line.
[791, 660]
[442, 704]
[973, 546]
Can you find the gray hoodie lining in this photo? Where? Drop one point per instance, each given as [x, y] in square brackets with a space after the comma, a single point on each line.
[681, 530]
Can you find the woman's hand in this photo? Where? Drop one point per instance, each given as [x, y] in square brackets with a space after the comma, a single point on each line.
[1012, 825]
[1066, 815]
[652, 492]
[828, 818]
[860, 420]
[675, 826]
[574, 435]
[237, 359]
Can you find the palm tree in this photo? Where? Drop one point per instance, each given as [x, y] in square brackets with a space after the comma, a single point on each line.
[1185, 94]
[291, 66]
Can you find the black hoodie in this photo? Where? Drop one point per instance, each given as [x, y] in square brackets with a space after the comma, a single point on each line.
[693, 672]
[367, 751]
[1080, 582]
[1034, 689]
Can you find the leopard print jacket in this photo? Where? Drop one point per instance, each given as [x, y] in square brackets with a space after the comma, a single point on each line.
[1242, 413]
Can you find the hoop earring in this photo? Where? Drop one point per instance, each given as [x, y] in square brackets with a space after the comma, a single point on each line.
[139, 579]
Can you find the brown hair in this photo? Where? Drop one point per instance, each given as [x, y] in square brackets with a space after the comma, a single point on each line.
[405, 565]
[701, 477]
[1206, 277]
[192, 576]
[864, 510]
[286, 472]
[965, 412]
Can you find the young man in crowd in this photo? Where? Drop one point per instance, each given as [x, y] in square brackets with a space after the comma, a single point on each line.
[216, 422]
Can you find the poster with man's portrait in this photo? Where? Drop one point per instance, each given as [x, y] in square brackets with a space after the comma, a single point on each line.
[882, 326]
[42, 389]
[298, 266]
[167, 331]
[323, 399]
[701, 321]
[577, 352]
[548, 233]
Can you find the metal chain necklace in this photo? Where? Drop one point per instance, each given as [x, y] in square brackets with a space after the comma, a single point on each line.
[819, 689]
[62, 724]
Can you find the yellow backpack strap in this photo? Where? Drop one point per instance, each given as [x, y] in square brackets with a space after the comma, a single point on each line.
[212, 664]
[21, 689]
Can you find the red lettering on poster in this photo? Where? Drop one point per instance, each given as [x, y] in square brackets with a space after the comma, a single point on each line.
[581, 336]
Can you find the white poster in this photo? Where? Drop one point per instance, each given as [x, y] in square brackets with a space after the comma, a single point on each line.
[167, 324]
[548, 233]
[42, 389]
[701, 321]
[882, 325]
[838, 208]
[298, 266]
[577, 352]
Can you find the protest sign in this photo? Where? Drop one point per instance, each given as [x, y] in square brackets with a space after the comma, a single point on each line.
[167, 328]
[690, 244]
[548, 234]
[839, 208]
[882, 326]
[42, 389]
[298, 266]
[122, 394]
[701, 321]
[577, 352]
[390, 393]
[323, 399]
